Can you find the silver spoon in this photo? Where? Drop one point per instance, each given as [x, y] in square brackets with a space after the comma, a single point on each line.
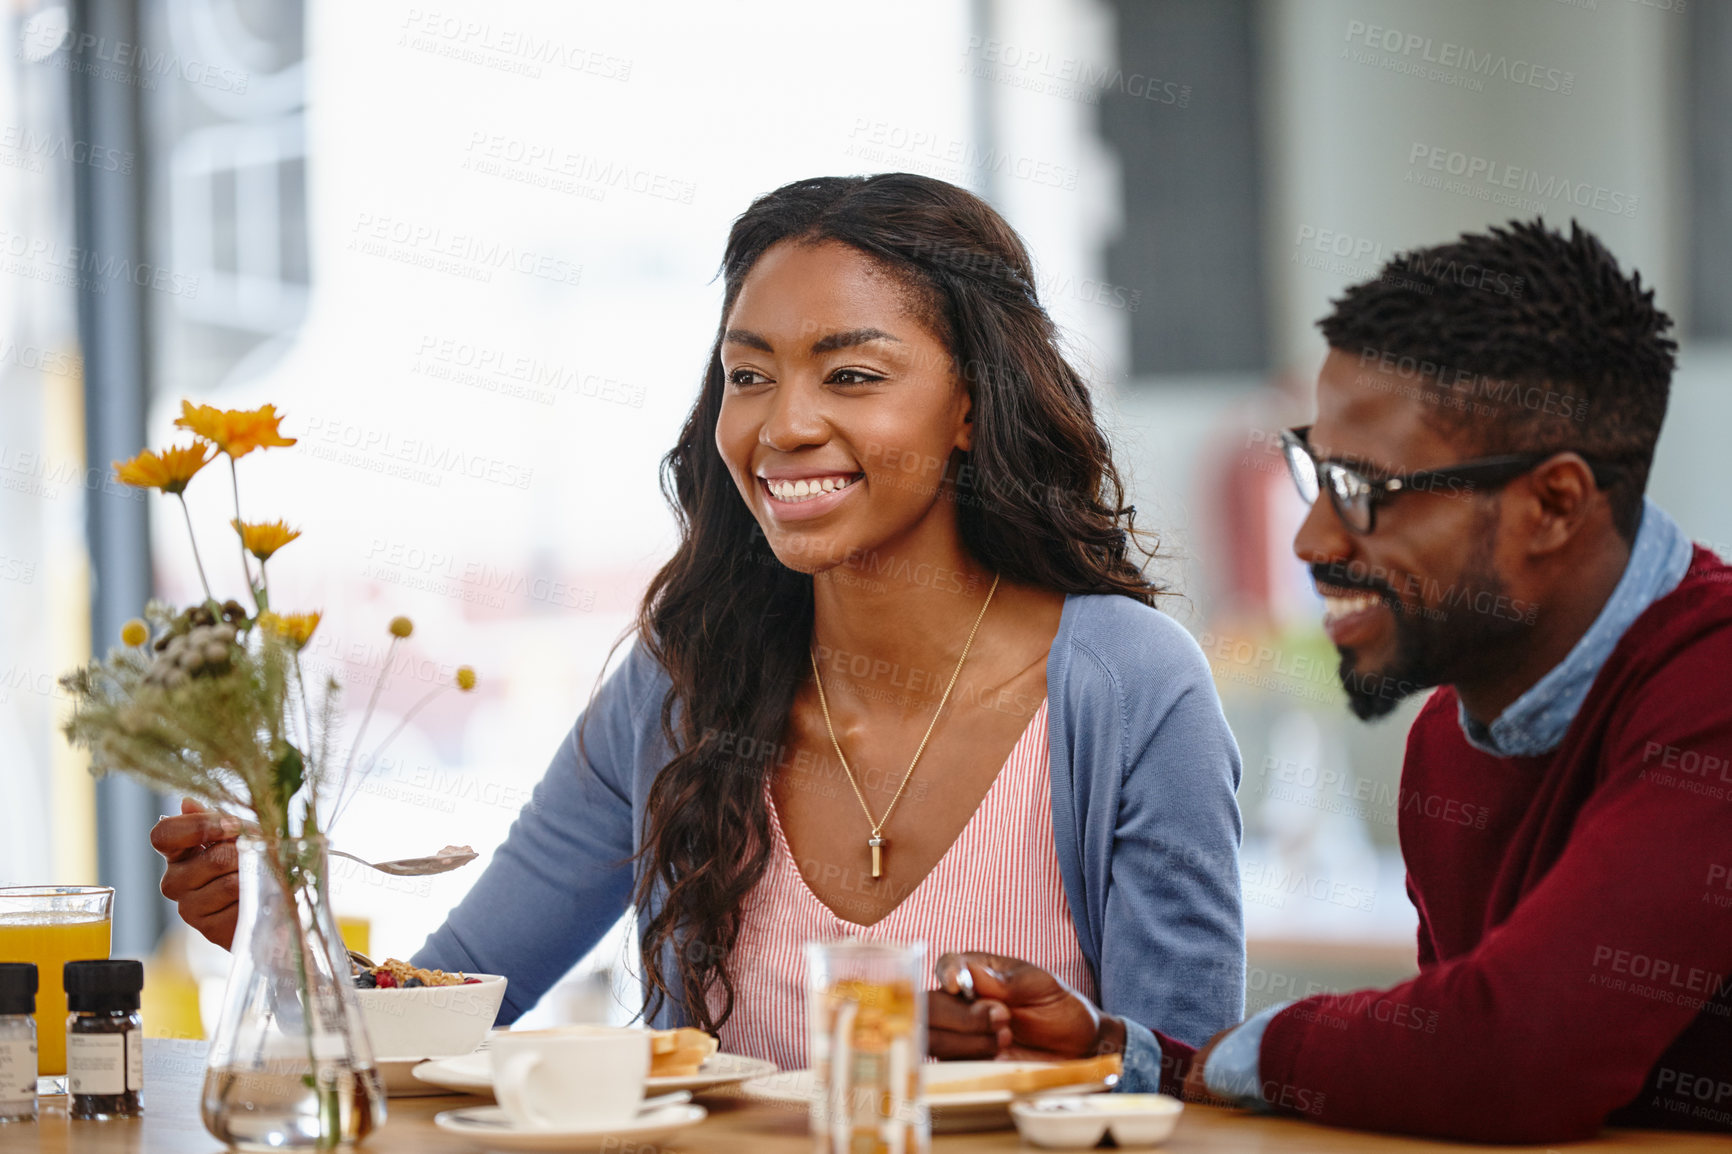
[446, 860]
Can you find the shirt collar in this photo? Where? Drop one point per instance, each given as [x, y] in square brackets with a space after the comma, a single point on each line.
[1536, 721]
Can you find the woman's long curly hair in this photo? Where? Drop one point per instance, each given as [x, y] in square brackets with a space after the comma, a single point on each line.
[1043, 504]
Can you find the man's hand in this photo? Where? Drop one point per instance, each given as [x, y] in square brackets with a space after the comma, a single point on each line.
[1033, 1014]
[203, 874]
[1195, 1089]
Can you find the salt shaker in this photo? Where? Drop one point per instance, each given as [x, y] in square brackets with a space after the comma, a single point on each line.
[17, 1042]
[104, 1039]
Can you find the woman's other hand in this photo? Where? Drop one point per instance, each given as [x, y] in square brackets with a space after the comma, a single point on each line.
[203, 874]
[1043, 1018]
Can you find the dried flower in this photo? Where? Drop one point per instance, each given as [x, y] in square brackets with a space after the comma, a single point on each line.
[263, 538]
[236, 432]
[465, 678]
[296, 627]
[169, 470]
[134, 632]
[401, 627]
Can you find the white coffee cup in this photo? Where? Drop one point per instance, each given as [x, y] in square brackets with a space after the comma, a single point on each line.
[573, 1078]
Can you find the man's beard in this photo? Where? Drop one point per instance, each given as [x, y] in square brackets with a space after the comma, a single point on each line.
[1433, 646]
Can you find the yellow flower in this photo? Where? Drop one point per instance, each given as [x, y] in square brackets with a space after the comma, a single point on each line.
[401, 627]
[169, 470]
[262, 538]
[465, 678]
[134, 633]
[296, 627]
[236, 432]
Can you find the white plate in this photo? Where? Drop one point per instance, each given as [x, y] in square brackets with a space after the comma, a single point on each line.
[487, 1126]
[951, 1113]
[473, 1074]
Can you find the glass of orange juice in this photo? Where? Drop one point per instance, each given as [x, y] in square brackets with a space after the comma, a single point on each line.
[866, 1022]
[50, 926]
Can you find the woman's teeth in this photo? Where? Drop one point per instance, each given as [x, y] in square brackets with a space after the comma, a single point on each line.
[806, 489]
[1337, 607]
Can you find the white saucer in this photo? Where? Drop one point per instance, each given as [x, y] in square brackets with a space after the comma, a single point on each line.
[473, 1074]
[487, 1126]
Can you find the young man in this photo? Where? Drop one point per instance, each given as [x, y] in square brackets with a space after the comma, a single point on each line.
[1486, 419]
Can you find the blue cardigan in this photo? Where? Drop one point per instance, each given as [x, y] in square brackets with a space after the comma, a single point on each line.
[1144, 771]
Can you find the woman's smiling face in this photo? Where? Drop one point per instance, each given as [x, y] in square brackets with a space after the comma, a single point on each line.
[840, 407]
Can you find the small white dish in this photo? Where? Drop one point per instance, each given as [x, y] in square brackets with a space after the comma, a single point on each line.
[490, 1128]
[473, 1074]
[1133, 1120]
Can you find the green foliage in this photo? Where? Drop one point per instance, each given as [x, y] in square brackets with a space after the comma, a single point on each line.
[224, 736]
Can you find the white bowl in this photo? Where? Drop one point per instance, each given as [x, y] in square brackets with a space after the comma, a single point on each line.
[1078, 1123]
[430, 1021]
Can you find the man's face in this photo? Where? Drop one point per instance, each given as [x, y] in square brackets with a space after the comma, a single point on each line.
[1420, 600]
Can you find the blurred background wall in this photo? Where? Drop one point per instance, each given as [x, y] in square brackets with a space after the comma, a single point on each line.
[469, 250]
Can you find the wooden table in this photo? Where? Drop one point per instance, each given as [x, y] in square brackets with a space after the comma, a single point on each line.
[736, 1125]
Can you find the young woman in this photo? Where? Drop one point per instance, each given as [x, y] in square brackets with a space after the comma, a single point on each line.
[900, 680]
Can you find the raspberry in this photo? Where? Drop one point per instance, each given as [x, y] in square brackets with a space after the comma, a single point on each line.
[386, 980]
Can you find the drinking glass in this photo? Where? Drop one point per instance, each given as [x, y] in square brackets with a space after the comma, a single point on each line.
[866, 1013]
[50, 926]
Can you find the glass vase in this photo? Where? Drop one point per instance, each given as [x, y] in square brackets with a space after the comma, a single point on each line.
[290, 1065]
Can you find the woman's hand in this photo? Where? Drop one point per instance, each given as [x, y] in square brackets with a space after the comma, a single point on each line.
[959, 1029]
[203, 874]
[1041, 1016]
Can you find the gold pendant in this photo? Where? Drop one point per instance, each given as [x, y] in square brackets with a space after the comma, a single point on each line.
[877, 843]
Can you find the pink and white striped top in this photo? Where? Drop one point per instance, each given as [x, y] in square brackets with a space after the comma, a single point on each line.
[997, 888]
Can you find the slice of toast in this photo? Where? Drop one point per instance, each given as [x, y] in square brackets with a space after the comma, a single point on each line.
[679, 1053]
[1078, 1072]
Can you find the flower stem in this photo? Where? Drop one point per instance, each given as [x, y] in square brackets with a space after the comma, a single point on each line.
[197, 560]
[349, 762]
[314, 767]
[389, 738]
[246, 568]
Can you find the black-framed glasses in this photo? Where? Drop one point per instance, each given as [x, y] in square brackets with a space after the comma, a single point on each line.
[1356, 496]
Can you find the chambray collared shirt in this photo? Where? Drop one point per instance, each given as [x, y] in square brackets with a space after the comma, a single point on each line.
[1534, 723]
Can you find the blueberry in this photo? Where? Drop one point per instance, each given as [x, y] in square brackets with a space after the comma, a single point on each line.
[411, 983]
[365, 980]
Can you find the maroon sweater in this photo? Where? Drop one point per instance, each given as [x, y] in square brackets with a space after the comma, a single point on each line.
[1575, 950]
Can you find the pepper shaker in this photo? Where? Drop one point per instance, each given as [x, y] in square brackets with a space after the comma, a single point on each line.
[17, 1042]
[104, 1039]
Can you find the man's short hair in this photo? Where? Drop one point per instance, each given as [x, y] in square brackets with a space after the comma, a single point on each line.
[1519, 339]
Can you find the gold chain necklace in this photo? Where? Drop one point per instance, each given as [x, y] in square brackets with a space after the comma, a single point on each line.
[877, 842]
